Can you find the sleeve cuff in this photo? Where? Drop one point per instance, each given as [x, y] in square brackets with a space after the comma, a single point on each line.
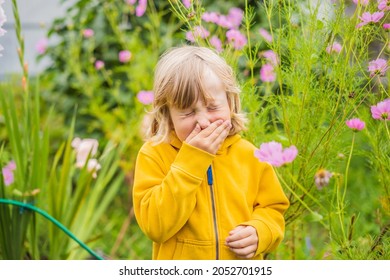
[264, 234]
[193, 161]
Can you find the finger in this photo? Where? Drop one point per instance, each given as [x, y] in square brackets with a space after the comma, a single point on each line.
[210, 129]
[220, 134]
[239, 233]
[224, 126]
[193, 133]
[247, 252]
[242, 243]
[236, 229]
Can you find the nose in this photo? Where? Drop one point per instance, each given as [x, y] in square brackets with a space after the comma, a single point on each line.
[203, 120]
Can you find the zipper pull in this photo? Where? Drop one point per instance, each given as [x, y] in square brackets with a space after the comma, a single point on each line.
[209, 176]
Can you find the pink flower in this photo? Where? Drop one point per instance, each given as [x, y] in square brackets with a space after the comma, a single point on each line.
[289, 154]
[355, 124]
[264, 33]
[145, 97]
[216, 43]
[41, 45]
[386, 26]
[88, 33]
[224, 22]
[141, 8]
[99, 64]
[198, 32]
[267, 73]
[377, 67]
[335, 47]
[384, 5]
[210, 17]
[381, 111]
[237, 38]
[235, 17]
[321, 178]
[367, 18]
[186, 3]
[8, 173]
[124, 56]
[271, 57]
[273, 153]
[361, 2]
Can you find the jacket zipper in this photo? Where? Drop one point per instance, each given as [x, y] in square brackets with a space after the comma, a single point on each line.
[210, 183]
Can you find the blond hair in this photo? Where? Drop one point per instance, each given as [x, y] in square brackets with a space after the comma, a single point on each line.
[178, 82]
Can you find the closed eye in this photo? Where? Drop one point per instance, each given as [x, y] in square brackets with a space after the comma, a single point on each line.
[212, 108]
[186, 114]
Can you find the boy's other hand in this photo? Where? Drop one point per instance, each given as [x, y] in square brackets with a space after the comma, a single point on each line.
[243, 241]
[210, 138]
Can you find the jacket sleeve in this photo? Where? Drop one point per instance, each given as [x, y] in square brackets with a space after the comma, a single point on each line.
[164, 199]
[269, 207]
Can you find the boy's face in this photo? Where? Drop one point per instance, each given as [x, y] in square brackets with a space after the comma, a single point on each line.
[185, 120]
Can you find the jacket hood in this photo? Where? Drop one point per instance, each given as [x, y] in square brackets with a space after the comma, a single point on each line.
[230, 140]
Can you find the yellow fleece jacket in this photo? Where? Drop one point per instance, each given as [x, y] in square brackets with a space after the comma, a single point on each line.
[189, 219]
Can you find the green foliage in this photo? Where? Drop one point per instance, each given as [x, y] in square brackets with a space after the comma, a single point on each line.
[106, 97]
[314, 93]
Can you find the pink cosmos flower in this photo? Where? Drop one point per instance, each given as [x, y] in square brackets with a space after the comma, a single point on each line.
[361, 2]
[267, 73]
[88, 33]
[124, 56]
[335, 47]
[186, 3]
[273, 153]
[384, 5]
[198, 32]
[367, 18]
[237, 38]
[8, 173]
[145, 97]
[271, 57]
[321, 178]
[210, 17]
[265, 34]
[224, 22]
[99, 64]
[355, 124]
[235, 17]
[141, 8]
[289, 154]
[386, 26]
[377, 67]
[216, 43]
[41, 45]
[381, 111]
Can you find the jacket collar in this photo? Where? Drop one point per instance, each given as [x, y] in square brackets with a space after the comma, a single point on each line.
[230, 140]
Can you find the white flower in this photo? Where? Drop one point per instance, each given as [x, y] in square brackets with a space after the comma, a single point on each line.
[3, 19]
[93, 166]
[84, 148]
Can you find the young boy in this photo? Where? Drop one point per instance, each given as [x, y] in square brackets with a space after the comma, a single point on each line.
[199, 192]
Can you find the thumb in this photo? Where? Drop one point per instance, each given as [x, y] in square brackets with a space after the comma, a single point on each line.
[194, 132]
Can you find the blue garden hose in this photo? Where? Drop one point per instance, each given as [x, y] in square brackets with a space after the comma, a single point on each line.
[54, 221]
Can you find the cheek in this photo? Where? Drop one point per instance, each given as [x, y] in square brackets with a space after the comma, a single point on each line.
[221, 115]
